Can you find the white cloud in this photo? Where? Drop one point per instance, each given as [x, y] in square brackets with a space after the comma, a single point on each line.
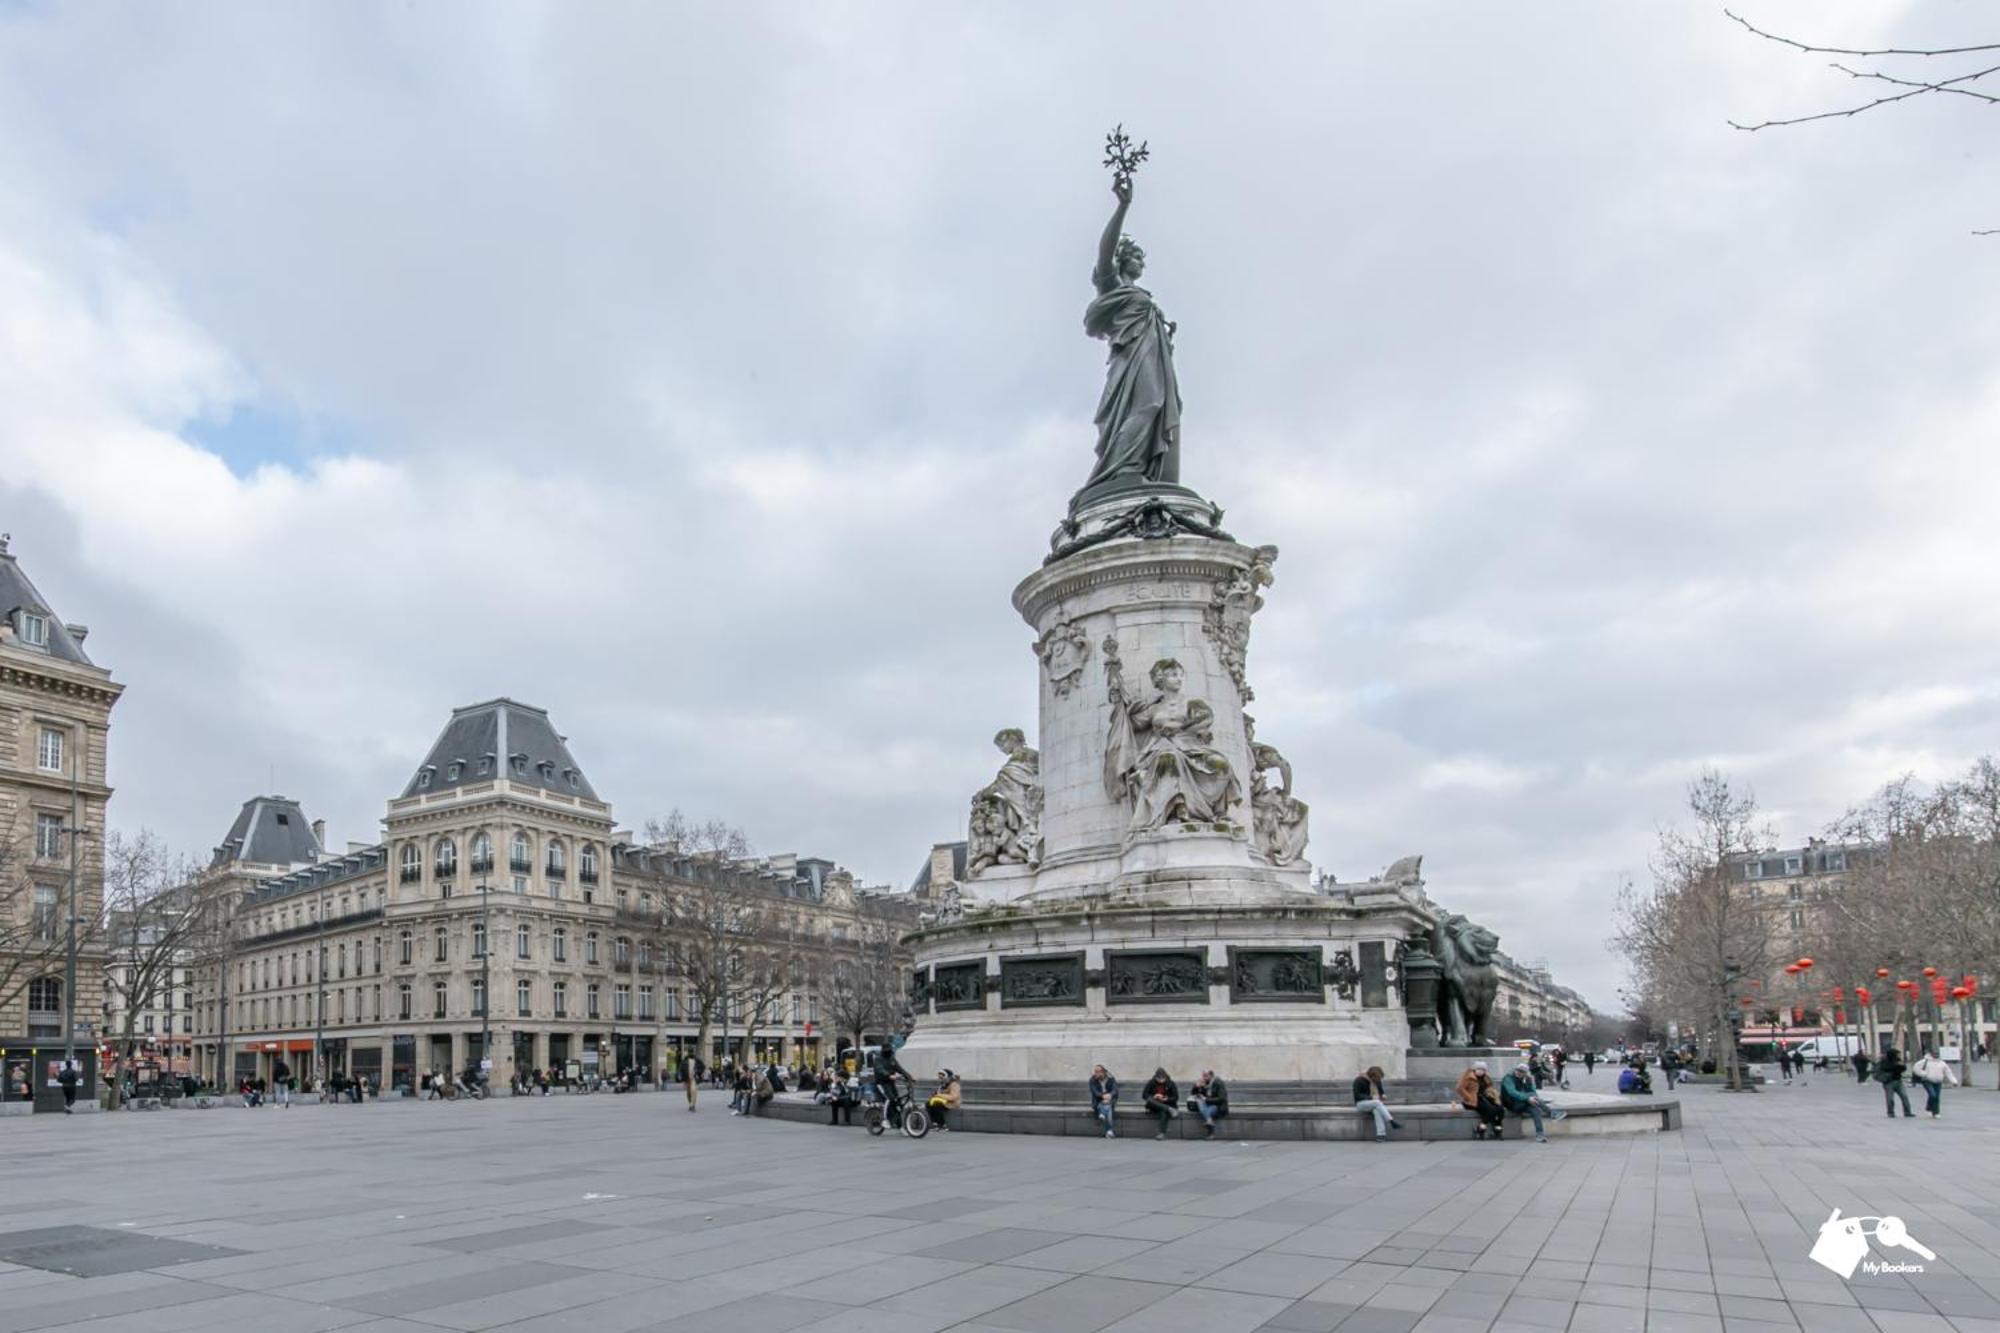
[711, 379]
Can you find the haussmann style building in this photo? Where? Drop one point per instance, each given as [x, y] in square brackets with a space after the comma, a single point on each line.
[501, 916]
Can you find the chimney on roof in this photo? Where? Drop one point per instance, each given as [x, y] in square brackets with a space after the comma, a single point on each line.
[77, 632]
[319, 833]
[942, 867]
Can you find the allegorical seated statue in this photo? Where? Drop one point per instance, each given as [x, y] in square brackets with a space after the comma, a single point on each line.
[1467, 981]
[1139, 414]
[1278, 816]
[1006, 824]
[1160, 754]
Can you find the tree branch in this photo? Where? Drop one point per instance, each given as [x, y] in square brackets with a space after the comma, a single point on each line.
[1846, 51]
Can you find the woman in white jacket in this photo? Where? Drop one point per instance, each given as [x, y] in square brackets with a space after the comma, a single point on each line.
[1932, 1073]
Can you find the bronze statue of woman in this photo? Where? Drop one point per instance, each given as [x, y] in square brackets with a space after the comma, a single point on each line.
[1139, 416]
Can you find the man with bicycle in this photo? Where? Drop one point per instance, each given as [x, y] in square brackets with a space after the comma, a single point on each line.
[887, 1069]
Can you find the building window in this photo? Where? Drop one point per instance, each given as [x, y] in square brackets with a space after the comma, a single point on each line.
[590, 1000]
[590, 947]
[561, 990]
[440, 951]
[404, 948]
[478, 998]
[646, 1003]
[340, 1003]
[34, 630]
[586, 864]
[645, 955]
[404, 1001]
[447, 858]
[437, 999]
[1753, 870]
[559, 945]
[413, 863]
[673, 999]
[524, 998]
[1792, 865]
[621, 952]
[43, 923]
[523, 942]
[1836, 860]
[482, 854]
[376, 953]
[45, 995]
[621, 1002]
[343, 960]
[520, 883]
[49, 753]
[556, 859]
[520, 858]
[479, 939]
[1795, 892]
[796, 1002]
[1798, 918]
[623, 900]
[48, 835]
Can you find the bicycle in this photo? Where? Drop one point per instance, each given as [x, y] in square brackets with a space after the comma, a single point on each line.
[906, 1114]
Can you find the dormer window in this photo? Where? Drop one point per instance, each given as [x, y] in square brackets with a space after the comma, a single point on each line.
[570, 775]
[485, 765]
[424, 776]
[34, 630]
[519, 763]
[457, 767]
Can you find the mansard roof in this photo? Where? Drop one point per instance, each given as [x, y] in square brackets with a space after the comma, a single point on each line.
[269, 831]
[17, 595]
[500, 739]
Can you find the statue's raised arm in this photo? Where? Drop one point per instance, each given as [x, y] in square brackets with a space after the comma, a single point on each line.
[1105, 275]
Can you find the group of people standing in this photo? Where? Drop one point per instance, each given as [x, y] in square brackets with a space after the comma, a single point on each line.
[1929, 1073]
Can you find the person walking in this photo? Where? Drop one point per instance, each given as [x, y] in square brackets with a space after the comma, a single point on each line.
[1889, 1073]
[1589, 1063]
[1104, 1099]
[1368, 1097]
[1932, 1073]
[281, 1083]
[690, 1077]
[1785, 1064]
[68, 1077]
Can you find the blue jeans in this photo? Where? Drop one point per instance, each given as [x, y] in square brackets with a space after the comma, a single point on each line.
[1207, 1110]
[1533, 1110]
[1890, 1092]
[1108, 1113]
[1375, 1107]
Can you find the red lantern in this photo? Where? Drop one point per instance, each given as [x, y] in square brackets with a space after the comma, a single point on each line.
[1791, 969]
[1746, 1002]
[1881, 971]
[1805, 964]
[1839, 1017]
[1961, 992]
[1938, 989]
[1863, 994]
[1838, 995]
[1906, 985]
[1930, 971]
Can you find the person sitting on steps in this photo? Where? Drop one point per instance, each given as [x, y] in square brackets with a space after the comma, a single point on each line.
[1368, 1097]
[1209, 1100]
[1162, 1099]
[1477, 1094]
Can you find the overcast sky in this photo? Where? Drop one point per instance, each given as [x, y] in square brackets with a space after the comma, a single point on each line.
[710, 376]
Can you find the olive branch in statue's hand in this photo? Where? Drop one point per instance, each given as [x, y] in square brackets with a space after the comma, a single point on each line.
[1123, 159]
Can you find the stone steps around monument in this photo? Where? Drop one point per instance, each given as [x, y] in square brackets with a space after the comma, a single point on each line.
[1587, 1115]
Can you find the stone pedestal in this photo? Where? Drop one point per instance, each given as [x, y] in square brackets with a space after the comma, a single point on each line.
[1139, 941]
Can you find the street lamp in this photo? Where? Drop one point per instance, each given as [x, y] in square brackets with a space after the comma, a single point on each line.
[319, 995]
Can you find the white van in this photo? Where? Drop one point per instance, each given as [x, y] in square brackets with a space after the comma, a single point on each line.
[1833, 1047]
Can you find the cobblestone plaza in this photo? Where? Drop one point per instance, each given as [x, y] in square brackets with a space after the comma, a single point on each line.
[613, 1213]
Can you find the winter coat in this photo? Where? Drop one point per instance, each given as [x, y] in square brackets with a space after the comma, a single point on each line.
[1930, 1069]
[1472, 1089]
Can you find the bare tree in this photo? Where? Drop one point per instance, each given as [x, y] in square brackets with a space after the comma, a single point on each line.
[862, 987]
[717, 928]
[1698, 931]
[1896, 74]
[152, 922]
[711, 839]
[1922, 890]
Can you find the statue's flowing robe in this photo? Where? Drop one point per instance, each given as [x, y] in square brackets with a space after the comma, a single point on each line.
[1139, 414]
[1167, 763]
